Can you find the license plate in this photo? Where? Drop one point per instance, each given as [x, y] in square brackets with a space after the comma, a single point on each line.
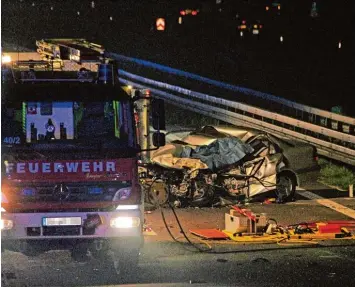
[61, 221]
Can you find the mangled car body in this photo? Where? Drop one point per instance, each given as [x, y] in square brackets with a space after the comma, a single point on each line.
[228, 162]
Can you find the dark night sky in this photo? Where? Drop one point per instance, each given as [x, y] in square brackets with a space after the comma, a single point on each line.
[308, 65]
[23, 21]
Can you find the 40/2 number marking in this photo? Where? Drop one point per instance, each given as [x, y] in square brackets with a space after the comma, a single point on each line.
[12, 140]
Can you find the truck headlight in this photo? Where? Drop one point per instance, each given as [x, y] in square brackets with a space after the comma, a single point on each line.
[6, 59]
[125, 222]
[6, 224]
[3, 200]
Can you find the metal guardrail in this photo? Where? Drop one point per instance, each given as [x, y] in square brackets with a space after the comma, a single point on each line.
[57, 80]
[331, 143]
[283, 106]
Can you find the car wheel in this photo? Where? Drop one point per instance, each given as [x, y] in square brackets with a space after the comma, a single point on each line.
[285, 187]
[157, 194]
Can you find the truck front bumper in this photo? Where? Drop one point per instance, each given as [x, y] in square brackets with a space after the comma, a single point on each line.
[119, 227]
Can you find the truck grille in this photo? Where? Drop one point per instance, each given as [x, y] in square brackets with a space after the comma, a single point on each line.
[61, 230]
[63, 192]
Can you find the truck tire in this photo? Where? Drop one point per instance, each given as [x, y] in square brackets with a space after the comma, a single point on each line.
[125, 263]
[80, 252]
[30, 249]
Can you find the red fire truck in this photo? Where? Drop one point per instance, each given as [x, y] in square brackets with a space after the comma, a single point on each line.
[70, 156]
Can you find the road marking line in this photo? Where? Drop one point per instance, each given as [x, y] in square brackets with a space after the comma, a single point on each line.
[329, 256]
[337, 207]
[327, 203]
[308, 194]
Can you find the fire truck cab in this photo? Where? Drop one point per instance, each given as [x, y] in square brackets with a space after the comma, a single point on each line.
[70, 157]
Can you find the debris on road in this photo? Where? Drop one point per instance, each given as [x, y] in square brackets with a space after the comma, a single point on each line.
[148, 231]
[243, 226]
[209, 233]
[269, 200]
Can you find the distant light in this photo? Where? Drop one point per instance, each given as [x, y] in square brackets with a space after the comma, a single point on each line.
[160, 24]
[281, 39]
[111, 18]
[33, 4]
[278, 7]
[52, 8]
[255, 26]
[182, 13]
[194, 13]
[260, 26]
[267, 8]
[339, 45]
[6, 59]
[180, 20]
[78, 13]
[241, 33]
[92, 4]
[129, 87]
[243, 22]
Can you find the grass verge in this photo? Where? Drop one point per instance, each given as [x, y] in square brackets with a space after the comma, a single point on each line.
[336, 174]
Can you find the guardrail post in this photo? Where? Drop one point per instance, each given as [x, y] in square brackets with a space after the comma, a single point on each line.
[351, 190]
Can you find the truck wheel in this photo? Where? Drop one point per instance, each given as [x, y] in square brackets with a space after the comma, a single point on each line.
[30, 250]
[80, 252]
[285, 186]
[125, 263]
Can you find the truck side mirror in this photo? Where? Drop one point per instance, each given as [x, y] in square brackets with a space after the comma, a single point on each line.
[158, 139]
[158, 114]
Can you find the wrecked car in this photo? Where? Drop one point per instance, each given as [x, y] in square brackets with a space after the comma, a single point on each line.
[229, 163]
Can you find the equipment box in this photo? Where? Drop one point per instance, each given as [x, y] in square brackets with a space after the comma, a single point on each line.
[236, 224]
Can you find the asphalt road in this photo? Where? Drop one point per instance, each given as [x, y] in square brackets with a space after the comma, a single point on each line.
[163, 261]
[170, 263]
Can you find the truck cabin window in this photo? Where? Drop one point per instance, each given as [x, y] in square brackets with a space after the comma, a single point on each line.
[57, 121]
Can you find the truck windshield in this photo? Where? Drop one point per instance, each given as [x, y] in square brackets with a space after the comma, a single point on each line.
[61, 123]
